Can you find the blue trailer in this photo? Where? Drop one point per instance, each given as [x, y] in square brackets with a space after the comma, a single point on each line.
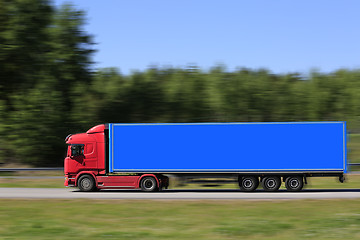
[253, 152]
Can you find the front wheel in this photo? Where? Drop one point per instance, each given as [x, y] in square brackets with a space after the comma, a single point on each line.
[86, 183]
[148, 184]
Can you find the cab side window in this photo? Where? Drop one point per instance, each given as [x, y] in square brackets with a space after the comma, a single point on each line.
[77, 150]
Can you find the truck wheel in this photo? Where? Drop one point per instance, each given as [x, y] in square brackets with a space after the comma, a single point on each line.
[294, 184]
[271, 183]
[248, 183]
[86, 183]
[148, 184]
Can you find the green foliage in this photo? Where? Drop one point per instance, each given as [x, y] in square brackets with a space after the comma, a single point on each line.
[36, 132]
[43, 54]
[189, 95]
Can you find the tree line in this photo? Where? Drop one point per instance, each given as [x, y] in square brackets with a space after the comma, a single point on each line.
[49, 88]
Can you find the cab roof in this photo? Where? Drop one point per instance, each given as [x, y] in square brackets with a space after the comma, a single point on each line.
[97, 129]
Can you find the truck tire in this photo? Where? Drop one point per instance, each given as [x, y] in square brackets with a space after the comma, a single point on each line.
[248, 183]
[294, 183]
[86, 183]
[271, 183]
[148, 184]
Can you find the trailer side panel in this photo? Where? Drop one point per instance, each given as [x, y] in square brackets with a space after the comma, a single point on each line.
[228, 147]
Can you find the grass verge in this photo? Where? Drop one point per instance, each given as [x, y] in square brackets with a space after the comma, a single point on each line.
[13, 182]
[116, 219]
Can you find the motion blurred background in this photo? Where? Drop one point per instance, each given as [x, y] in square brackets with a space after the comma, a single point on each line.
[208, 61]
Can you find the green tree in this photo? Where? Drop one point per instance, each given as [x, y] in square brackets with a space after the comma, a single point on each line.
[37, 133]
[44, 54]
[23, 44]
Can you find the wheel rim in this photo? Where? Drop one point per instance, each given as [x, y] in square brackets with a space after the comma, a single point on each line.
[148, 184]
[271, 183]
[86, 183]
[294, 183]
[247, 183]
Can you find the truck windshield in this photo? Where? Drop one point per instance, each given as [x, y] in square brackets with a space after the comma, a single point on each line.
[77, 149]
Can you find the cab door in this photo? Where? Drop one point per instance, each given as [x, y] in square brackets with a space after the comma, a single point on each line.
[90, 156]
[84, 155]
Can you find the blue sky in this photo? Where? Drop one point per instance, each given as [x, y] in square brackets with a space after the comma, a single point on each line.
[282, 36]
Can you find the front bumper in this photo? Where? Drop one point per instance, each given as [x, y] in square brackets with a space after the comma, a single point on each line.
[69, 181]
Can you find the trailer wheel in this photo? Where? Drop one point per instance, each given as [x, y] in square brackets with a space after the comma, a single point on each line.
[294, 183]
[248, 183]
[271, 183]
[86, 183]
[148, 184]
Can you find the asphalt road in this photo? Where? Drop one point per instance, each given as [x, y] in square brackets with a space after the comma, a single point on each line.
[70, 193]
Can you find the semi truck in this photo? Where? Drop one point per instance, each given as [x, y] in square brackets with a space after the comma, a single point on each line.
[143, 156]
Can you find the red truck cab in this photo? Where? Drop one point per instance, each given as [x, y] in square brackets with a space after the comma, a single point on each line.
[85, 165]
